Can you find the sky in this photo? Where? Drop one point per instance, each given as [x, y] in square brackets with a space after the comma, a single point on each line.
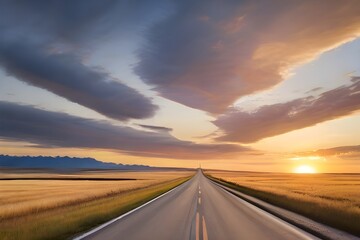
[238, 85]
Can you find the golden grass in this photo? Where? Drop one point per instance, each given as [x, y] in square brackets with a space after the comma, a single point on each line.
[56, 209]
[333, 199]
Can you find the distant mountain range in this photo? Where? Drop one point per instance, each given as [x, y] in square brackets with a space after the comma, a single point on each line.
[62, 163]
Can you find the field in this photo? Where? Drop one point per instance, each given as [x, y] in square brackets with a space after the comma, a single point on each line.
[333, 199]
[40, 205]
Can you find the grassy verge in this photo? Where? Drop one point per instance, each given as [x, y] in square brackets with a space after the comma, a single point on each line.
[343, 220]
[64, 222]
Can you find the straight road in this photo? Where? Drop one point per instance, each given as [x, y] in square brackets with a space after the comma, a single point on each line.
[199, 210]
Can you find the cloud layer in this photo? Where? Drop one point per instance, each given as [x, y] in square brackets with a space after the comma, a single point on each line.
[271, 120]
[53, 129]
[44, 43]
[203, 54]
[207, 54]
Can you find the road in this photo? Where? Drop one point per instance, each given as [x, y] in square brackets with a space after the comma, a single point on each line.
[200, 210]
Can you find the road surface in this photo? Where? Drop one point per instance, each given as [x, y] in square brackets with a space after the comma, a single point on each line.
[199, 210]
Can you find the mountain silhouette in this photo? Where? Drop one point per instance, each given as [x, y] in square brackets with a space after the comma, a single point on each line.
[65, 162]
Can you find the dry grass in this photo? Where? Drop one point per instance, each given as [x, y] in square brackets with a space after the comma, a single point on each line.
[333, 199]
[54, 209]
[21, 197]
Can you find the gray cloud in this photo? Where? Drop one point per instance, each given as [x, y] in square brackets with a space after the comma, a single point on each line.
[155, 128]
[207, 54]
[66, 76]
[43, 42]
[74, 22]
[272, 120]
[314, 90]
[54, 129]
[355, 79]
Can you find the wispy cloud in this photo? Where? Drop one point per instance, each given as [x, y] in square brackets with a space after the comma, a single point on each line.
[344, 151]
[272, 120]
[207, 54]
[155, 128]
[314, 90]
[55, 129]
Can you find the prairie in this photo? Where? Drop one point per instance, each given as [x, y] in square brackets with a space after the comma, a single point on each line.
[333, 199]
[45, 208]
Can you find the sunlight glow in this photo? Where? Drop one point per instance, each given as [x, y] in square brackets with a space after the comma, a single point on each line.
[310, 158]
[305, 169]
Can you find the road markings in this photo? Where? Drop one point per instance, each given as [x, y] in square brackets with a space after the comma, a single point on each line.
[299, 232]
[197, 226]
[199, 200]
[205, 235]
[124, 215]
[199, 192]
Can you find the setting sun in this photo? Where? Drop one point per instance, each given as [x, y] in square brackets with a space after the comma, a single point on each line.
[305, 169]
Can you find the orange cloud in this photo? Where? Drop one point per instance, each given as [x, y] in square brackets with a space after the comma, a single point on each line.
[344, 151]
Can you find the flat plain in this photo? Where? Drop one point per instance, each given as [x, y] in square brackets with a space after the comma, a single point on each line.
[56, 205]
[333, 199]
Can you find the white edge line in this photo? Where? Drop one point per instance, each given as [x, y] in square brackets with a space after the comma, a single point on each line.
[289, 226]
[122, 216]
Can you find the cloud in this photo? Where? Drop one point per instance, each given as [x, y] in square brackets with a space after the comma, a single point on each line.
[74, 22]
[54, 129]
[155, 128]
[336, 151]
[44, 43]
[207, 54]
[66, 76]
[342, 152]
[272, 120]
[355, 79]
[314, 90]
[204, 55]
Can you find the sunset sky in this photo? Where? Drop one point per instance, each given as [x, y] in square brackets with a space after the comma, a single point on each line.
[242, 85]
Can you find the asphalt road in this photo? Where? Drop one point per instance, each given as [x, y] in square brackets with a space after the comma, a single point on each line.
[199, 209]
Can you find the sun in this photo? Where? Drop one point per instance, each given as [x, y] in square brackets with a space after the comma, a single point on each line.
[305, 169]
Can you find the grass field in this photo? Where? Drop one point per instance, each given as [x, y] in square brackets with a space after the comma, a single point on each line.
[333, 199]
[58, 209]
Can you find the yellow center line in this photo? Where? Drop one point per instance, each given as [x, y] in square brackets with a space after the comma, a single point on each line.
[205, 235]
[197, 226]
